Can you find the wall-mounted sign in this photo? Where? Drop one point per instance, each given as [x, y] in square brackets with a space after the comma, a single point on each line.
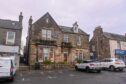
[120, 52]
[10, 49]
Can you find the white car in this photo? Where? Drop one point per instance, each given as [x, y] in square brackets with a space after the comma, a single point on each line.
[7, 68]
[113, 64]
[89, 66]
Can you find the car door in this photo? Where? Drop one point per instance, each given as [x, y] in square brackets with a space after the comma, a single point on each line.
[83, 64]
[108, 63]
[104, 63]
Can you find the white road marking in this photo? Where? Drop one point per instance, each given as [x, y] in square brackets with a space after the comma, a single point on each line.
[71, 75]
[23, 79]
[52, 77]
[49, 77]
[41, 73]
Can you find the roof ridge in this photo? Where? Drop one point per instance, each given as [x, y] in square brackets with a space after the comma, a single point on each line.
[64, 26]
[9, 20]
[11, 24]
[114, 33]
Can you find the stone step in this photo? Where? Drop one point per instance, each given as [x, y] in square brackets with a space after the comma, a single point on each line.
[23, 68]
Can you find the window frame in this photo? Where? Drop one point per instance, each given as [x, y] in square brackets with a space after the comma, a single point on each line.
[66, 38]
[46, 35]
[79, 40]
[12, 41]
[43, 33]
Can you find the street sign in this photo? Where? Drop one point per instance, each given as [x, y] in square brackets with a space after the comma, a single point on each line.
[120, 52]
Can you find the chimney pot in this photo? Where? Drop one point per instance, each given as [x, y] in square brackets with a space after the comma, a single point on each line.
[20, 17]
[30, 20]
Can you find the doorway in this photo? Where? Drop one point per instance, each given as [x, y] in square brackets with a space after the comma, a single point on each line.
[46, 53]
[65, 56]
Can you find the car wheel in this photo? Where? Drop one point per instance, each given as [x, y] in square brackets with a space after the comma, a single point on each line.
[98, 71]
[11, 79]
[87, 69]
[76, 68]
[104, 68]
[112, 68]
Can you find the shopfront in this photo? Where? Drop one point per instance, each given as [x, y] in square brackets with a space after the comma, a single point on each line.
[120, 54]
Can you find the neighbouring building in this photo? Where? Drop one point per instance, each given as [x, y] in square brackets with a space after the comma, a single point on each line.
[47, 40]
[107, 45]
[10, 38]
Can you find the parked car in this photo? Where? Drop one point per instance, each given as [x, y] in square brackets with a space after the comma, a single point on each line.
[113, 64]
[89, 66]
[7, 68]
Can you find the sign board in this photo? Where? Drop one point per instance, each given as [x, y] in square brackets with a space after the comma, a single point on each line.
[10, 49]
[120, 52]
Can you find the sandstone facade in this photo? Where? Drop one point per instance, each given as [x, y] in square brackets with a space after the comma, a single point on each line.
[47, 40]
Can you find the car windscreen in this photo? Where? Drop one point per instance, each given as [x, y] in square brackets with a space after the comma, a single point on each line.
[90, 61]
[87, 61]
[5, 63]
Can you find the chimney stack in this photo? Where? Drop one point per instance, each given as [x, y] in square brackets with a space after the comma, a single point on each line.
[20, 18]
[30, 21]
[75, 27]
[98, 31]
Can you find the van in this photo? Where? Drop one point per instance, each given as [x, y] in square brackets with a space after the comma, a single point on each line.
[7, 68]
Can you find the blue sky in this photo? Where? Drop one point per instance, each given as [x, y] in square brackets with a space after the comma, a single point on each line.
[110, 14]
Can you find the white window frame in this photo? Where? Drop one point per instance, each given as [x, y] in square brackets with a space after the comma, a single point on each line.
[43, 34]
[78, 40]
[46, 53]
[46, 34]
[10, 41]
[66, 38]
[49, 34]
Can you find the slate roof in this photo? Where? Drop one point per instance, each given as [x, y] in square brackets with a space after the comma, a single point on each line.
[114, 36]
[64, 29]
[10, 24]
[70, 30]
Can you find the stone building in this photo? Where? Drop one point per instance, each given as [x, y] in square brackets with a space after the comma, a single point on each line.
[47, 40]
[10, 38]
[106, 45]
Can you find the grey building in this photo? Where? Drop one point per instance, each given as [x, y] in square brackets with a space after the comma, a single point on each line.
[10, 38]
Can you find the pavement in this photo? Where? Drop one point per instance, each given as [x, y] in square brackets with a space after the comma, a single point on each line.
[68, 77]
